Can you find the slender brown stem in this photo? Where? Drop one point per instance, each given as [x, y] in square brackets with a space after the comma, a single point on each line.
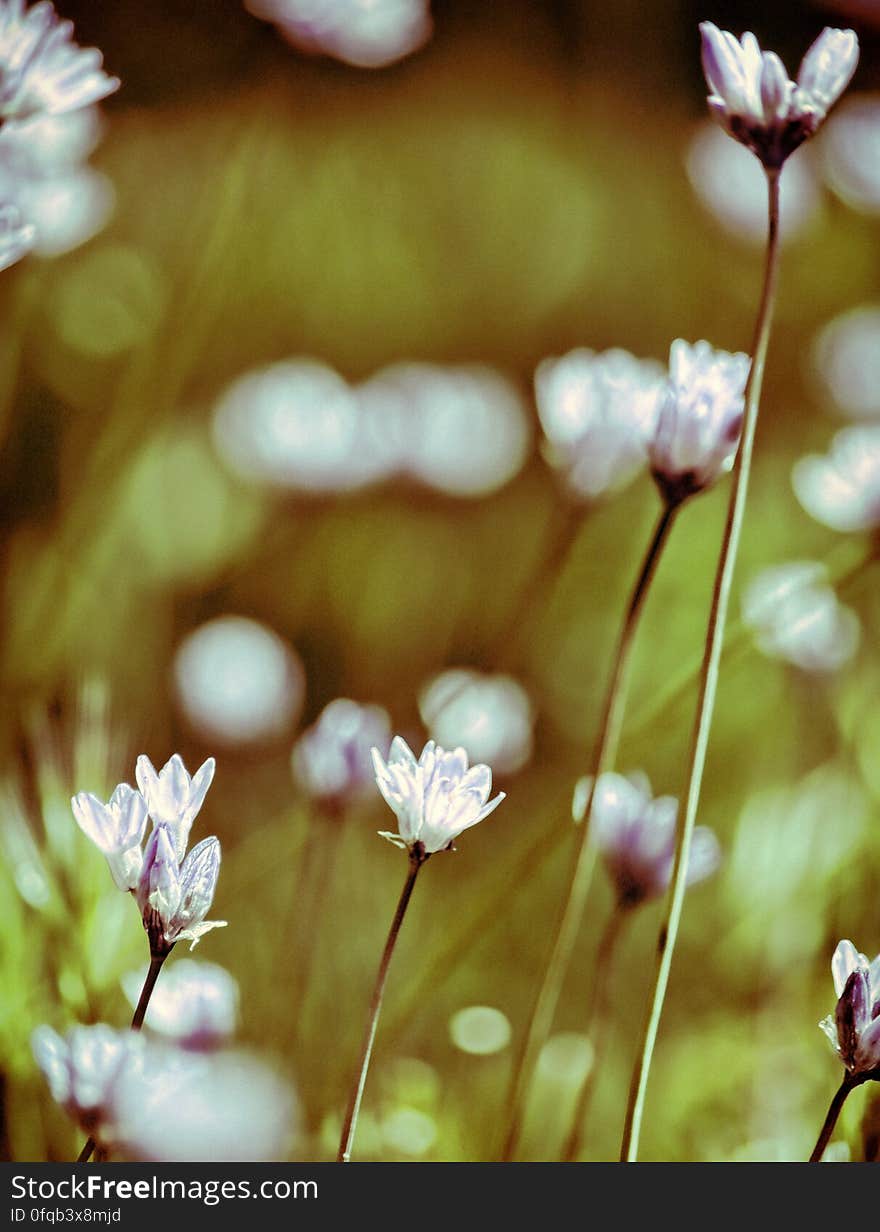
[834, 1112]
[598, 1019]
[136, 1023]
[709, 679]
[416, 860]
[569, 923]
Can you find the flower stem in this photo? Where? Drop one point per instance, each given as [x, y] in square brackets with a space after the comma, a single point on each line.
[136, 1023]
[416, 860]
[834, 1112]
[597, 1029]
[569, 923]
[709, 677]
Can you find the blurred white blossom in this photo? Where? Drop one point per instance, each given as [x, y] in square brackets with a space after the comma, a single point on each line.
[796, 616]
[332, 760]
[82, 1067]
[733, 188]
[854, 1027]
[480, 1030]
[117, 829]
[435, 798]
[752, 97]
[365, 33]
[237, 681]
[846, 358]
[194, 1003]
[491, 716]
[842, 489]
[851, 152]
[598, 412]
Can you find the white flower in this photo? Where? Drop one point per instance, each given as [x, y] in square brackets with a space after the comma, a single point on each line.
[843, 489]
[753, 98]
[82, 1068]
[174, 898]
[41, 69]
[598, 412]
[796, 616]
[16, 236]
[854, 1028]
[700, 420]
[332, 759]
[173, 798]
[435, 798]
[851, 152]
[636, 836]
[194, 1003]
[116, 828]
[365, 33]
[490, 715]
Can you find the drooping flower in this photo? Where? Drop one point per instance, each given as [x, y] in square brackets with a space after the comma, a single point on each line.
[117, 829]
[173, 798]
[42, 70]
[753, 98]
[82, 1067]
[700, 419]
[598, 412]
[435, 798]
[332, 760]
[16, 236]
[854, 1027]
[636, 835]
[174, 898]
[843, 489]
[796, 616]
[195, 1004]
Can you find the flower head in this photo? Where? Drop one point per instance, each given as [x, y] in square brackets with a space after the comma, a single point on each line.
[752, 97]
[796, 616]
[42, 70]
[854, 1027]
[174, 898]
[331, 760]
[194, 1004]
[636, 835]
[117, 829]
[598, 412]
[700, 420]
[82, 1067]
[435, 798]
[843, 489]
[173, 798]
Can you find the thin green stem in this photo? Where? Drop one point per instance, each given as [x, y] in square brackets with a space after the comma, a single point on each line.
[834, 1112]
[597, 1031]
[349, 1128]
[709, 678]
[136, 1023]
[569, 923]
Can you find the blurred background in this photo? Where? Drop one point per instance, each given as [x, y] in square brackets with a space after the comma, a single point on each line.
[268, 438]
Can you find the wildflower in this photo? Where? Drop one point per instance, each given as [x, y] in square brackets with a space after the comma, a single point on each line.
[173, 798]
[364, 33]
[491, 715]
[753, 98]
[41, 69]
[854, 1027]
[331, 760]
[82, 1067]
[636, 835]
[174, 898]
[598, 412]
[16, 236]
[700, 419]
[843, 489]
[796, 616]
[195, 1004]
[117, 829]
[435, 798]
[851, 152]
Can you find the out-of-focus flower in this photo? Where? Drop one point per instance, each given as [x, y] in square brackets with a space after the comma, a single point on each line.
[796, 616]
[846, 358]
[435, 798]
[174, 898]
[173, 797]
[636, 835]
[42, 70]
[117, 829]
[203, 1106]
[195, 1003]
[365, 33]
[733, 188]
[238, 682]
[491, 716]
[16, 236]
[332, 760]
[842, 489]
[82, 1067]
[753, 98]
[700, 420]
[598, 412]
[480, 1030]
[851, 152]
[459, 428]
[854, 1027]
